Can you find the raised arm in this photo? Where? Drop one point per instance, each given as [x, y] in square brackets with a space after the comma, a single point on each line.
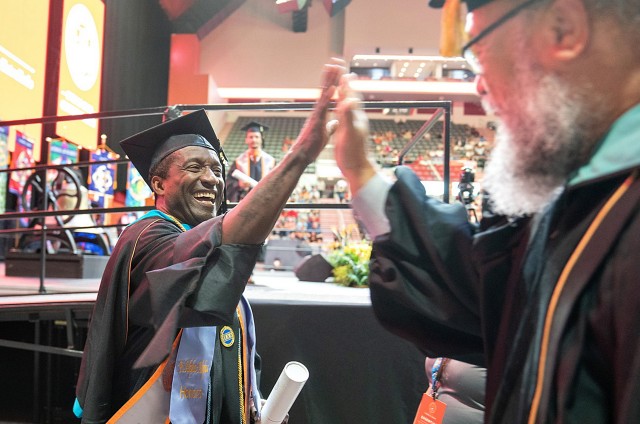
[252, 220]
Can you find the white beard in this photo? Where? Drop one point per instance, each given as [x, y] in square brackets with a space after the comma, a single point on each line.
[542, 137]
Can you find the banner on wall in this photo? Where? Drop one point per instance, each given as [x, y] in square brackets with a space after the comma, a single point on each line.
[4, 163]
[102, 179]
[81, 70]
[23, 64]
[137, 190]
[61, 152]
[22, 158]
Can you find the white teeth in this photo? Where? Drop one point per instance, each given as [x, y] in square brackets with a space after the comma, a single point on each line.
[205, 196]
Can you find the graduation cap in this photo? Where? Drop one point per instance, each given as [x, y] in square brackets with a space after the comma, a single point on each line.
[254, 126]
[471, 4]
[147, 148]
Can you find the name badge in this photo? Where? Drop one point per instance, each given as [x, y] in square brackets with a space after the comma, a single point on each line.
[430, 411]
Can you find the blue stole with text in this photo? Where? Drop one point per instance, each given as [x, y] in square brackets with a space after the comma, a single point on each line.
[192, 371]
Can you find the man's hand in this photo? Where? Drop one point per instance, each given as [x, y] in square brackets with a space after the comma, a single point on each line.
[252, 220]
[351, 137]
[254, 412]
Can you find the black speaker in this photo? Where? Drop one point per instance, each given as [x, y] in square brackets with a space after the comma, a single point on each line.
[313, 268]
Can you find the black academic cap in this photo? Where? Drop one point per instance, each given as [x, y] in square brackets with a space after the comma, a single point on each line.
[149, 147]
[471, 4]
[255, 127]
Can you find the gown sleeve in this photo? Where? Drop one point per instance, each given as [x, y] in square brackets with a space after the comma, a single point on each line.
[201, 285]
[423, 284]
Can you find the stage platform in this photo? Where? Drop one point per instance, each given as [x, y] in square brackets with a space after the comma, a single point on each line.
[359, 372]
[20, 295]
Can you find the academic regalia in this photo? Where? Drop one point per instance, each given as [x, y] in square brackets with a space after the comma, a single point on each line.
[119, 335]
[480, 299]
[163, 287]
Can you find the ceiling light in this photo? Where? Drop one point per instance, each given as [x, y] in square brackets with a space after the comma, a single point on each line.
[407, 58]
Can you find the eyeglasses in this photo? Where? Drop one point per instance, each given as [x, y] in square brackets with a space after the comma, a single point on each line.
[468, 54]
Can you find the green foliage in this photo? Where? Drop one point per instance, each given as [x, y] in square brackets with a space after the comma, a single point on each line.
[351, 264]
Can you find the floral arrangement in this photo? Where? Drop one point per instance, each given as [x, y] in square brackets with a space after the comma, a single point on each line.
[350, 258]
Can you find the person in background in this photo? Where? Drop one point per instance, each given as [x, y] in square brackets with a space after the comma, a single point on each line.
[249, 168]
[340, 190]
[254, 163]
[544, 293]
[171, 335]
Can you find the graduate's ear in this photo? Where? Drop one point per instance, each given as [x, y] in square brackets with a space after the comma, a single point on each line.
[157, 185]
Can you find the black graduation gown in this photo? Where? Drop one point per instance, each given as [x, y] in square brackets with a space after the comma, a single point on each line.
[157, 280]
[482, 298]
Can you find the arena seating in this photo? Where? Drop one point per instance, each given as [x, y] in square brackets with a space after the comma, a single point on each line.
[279, 129]
[389, 130]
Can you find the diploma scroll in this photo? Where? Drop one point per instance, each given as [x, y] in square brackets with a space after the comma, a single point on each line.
[284, 393]
[244, 177]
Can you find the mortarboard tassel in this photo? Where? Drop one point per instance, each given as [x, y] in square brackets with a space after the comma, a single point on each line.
[452, 29]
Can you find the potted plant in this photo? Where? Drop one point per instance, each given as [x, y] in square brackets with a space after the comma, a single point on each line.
[349, 258]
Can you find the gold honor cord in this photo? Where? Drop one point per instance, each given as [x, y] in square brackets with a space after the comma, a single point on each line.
[553, 303]
[243, 408]
[175, 221]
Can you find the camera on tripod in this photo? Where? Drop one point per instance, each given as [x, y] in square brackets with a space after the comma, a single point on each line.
[465, 186]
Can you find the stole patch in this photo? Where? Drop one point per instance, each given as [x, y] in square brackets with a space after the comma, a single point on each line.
[227, 336]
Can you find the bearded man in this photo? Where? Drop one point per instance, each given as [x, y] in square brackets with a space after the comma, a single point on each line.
[545, 296]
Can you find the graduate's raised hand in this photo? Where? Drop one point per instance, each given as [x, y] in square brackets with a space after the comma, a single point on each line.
[313, 136]
[252, 220]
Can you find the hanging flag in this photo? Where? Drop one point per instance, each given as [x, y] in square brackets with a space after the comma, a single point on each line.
[102, 179]
[22, 158]
[137, 190]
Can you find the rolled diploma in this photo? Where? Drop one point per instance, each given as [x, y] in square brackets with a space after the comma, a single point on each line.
[284, 393]
[244, 177]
